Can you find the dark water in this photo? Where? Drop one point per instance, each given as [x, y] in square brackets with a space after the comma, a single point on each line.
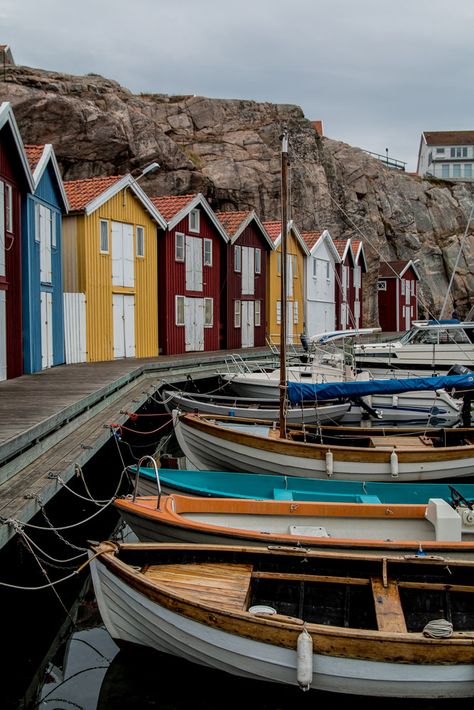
[56, 652]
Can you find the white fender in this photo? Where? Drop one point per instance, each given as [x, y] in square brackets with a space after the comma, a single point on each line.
[394, 464]
[304, 660]
[329, 464]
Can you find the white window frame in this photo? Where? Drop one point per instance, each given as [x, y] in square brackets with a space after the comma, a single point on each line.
[140, 241]
[179, 247]
[237, 259]
[8, 207]
[101, 234]
[207, 252]
[258, 261]
[194, 221]
[179, 302]
[382, 285]
[208, 322]
[237, 313]
[258, 314]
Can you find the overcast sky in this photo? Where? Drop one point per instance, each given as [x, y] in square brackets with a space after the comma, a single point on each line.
[376, 72]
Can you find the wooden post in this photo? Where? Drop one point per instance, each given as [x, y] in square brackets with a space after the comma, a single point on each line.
[283, 272]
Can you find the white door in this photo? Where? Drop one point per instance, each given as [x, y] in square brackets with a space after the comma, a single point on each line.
[343, 316]
[193, 264]
[248, 271]
[46, 303]
[3, 334]
[289, 322]
[75, 327]
[193, 324]
[123, 264]
[289, 275]
[407, 310]
[248, 324]
[123, 309]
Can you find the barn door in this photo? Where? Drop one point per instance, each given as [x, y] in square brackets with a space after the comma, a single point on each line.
[193, 264]
[123, 309]
[248, 324]
[46, 303]
[248, 271]
[194, 324]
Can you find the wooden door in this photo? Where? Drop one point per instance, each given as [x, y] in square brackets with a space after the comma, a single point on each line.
[123, 309]
[194, 324]
[248, 271]
[193, 264]
[123, 261]
[46, 307]
[248, 324]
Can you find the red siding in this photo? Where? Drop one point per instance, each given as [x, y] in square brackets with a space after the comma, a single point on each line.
[12, 281]
[172, 282]
[350, 292]
[250, 237]
[387, 303]
[393, 298]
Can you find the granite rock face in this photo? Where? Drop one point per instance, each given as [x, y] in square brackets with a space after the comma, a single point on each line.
[230, 151]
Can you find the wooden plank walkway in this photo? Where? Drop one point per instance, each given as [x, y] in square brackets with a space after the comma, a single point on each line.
[56, 419]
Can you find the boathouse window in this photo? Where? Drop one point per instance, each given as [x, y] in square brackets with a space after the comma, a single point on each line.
[382, 285]
[258, 261]
[258, 313]
[237, 258]
[8, 208]
[179, 310]
[140, 241]
[194, 221]
[237, 312]
[208, 252]
[208, 312]
[104, 236]
[179, 247]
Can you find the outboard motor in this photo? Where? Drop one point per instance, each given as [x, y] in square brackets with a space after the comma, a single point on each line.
[305, 343]
[459, 370]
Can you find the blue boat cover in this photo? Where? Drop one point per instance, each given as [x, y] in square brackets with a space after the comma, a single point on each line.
[304, 391]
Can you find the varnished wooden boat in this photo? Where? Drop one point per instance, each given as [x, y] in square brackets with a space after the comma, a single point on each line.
[391, 625]
[432, 527]
[350, 453]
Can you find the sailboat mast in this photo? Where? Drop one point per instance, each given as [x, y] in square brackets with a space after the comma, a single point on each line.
[283, 276]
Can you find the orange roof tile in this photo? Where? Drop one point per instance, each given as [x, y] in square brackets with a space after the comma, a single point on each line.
[310, 238]
[170, 205]
[81, 192]
[231, 221]
[340, 245]
[34, 153]
[273, 230]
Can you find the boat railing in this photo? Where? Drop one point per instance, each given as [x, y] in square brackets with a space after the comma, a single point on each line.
[147, 457]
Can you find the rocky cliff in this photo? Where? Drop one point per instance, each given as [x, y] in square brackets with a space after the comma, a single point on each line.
[230, 151]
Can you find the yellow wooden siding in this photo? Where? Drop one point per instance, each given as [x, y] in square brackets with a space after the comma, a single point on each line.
[97, 270]
[274, 291]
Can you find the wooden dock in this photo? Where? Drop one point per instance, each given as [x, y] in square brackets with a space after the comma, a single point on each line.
[58, 419]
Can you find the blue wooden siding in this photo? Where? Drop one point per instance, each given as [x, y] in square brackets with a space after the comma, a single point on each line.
[48, 194]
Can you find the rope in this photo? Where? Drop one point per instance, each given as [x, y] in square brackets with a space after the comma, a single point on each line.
[438, 629]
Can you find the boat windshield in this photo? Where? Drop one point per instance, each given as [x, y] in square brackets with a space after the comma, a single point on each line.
[435, 336]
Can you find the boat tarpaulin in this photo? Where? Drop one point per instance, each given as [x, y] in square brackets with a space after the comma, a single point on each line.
[304, 391]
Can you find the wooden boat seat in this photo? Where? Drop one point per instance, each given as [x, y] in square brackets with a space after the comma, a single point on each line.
[400, 442]
[223, 585]
[388, 606]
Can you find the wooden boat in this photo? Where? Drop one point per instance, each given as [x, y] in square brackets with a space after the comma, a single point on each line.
[354, 623]
[433, 527]
[251, 408]
[351, 453]
[232, 484]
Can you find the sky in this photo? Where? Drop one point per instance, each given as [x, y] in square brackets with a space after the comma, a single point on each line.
[377, 73]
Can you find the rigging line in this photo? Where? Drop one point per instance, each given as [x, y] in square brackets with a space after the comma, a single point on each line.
[461, 246]
[12, 521]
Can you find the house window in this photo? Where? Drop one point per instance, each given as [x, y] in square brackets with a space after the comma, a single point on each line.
[140, 241]
[440, 151]
[237, 259]
[179, 310]
[179, 247]
[194, 216]
[456, 171]
[8, 208]
[445, 171]
[382, 285]
[258, 313]
[104, 236]
[468, 170]
[295, 312]
[464, 152]
[208, 312]
[208, 252]
[237, 314]
[278, 312]
[315, 267]
[258, 261]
